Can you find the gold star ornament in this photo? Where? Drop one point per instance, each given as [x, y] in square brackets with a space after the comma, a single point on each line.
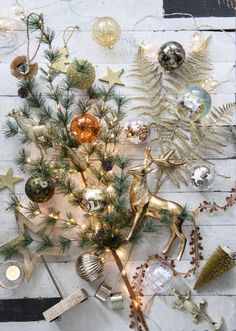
[31, 259]
[9, 180]
[112, 77]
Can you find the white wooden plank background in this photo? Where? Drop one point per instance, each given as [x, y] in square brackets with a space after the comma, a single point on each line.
[216, 229]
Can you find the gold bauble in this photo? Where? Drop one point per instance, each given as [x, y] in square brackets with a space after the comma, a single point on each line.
[89, 266]
[81, 73]
[106, 31]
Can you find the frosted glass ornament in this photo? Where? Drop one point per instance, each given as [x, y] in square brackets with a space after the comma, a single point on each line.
[193, 103]
[158, 277]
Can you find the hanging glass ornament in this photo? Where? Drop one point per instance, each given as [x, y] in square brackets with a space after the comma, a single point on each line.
[93, 200]
[193, 103]
[137, 131]
[202, 178]
[106, 32]
[85, 127]
[89, 266]
[158, 277]
[39, 189]
[171, 55]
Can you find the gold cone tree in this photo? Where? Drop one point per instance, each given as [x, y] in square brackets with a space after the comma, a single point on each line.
[218, 263]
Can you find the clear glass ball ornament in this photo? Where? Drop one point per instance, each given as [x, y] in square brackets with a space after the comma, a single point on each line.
[193, 103]
[158, 277]
[202, 178]
[137, 131]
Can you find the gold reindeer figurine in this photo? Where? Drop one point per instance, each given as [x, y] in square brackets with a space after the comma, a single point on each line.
[144, 203]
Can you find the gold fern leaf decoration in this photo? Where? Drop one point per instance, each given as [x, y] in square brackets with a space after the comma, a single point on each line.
[156, 94]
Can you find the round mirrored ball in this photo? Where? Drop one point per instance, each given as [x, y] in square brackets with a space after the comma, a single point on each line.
[202, 178]
[93, 200]
[39, 189]
[171, 55]
[193, 103]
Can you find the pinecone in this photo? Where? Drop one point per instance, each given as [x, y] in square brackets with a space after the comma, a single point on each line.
[81, 73]
[23, 92]
[107, 164]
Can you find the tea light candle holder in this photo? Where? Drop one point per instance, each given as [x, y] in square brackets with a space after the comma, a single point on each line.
[117, 301]
[11, 274]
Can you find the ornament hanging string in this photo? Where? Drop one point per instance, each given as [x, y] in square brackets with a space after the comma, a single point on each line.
[28, 36]
[73, 27]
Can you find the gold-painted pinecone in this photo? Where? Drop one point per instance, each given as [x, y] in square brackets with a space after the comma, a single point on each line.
[89, 266]
[81, 73]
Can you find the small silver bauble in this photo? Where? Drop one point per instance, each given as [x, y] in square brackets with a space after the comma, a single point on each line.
[202, 178]
[89, 266]
[93, 200]
[137, 131]
[158, 277]
[193, 103]
[171, 55]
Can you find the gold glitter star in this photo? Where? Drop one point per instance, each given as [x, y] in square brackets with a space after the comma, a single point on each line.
[8, 180]
[112, 77]
[42, 228]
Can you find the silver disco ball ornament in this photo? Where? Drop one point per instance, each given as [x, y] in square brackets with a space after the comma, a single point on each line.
[193, 103]
[202, 178]
[171, 55]
[158, 277]
[93, 200]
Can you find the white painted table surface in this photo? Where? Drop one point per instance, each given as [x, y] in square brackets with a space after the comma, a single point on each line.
[216, 229]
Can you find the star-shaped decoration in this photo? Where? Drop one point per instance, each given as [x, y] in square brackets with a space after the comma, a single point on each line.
[42, 228]
[9, 180]
[112, 77]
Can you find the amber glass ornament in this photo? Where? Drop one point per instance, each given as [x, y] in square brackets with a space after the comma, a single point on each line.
[106, 31]
[85, 127]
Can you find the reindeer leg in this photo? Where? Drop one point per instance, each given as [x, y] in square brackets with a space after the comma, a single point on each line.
[170, 241]
[182, 240]
[136, 222]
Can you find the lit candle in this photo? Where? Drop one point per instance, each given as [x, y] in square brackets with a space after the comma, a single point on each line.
[13, 273]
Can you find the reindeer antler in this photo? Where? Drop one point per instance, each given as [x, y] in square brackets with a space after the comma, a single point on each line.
[164, 160]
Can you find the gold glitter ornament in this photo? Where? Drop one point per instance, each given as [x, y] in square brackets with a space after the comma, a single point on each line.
[81, 73]
[106, 31]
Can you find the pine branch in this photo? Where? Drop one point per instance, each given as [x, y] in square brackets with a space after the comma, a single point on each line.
[25, 239]
[13, 204]
[10, 129]
[64, 243]
[8, 251]
[45, 243]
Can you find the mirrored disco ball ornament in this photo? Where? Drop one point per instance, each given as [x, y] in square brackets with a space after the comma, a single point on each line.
[137, 131]
[171, 55]
[193, 103]
[202, 178]
[158, 277]
[93, 200]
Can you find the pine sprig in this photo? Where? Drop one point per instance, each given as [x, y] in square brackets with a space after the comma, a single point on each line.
[45, 243]
[8, 251]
